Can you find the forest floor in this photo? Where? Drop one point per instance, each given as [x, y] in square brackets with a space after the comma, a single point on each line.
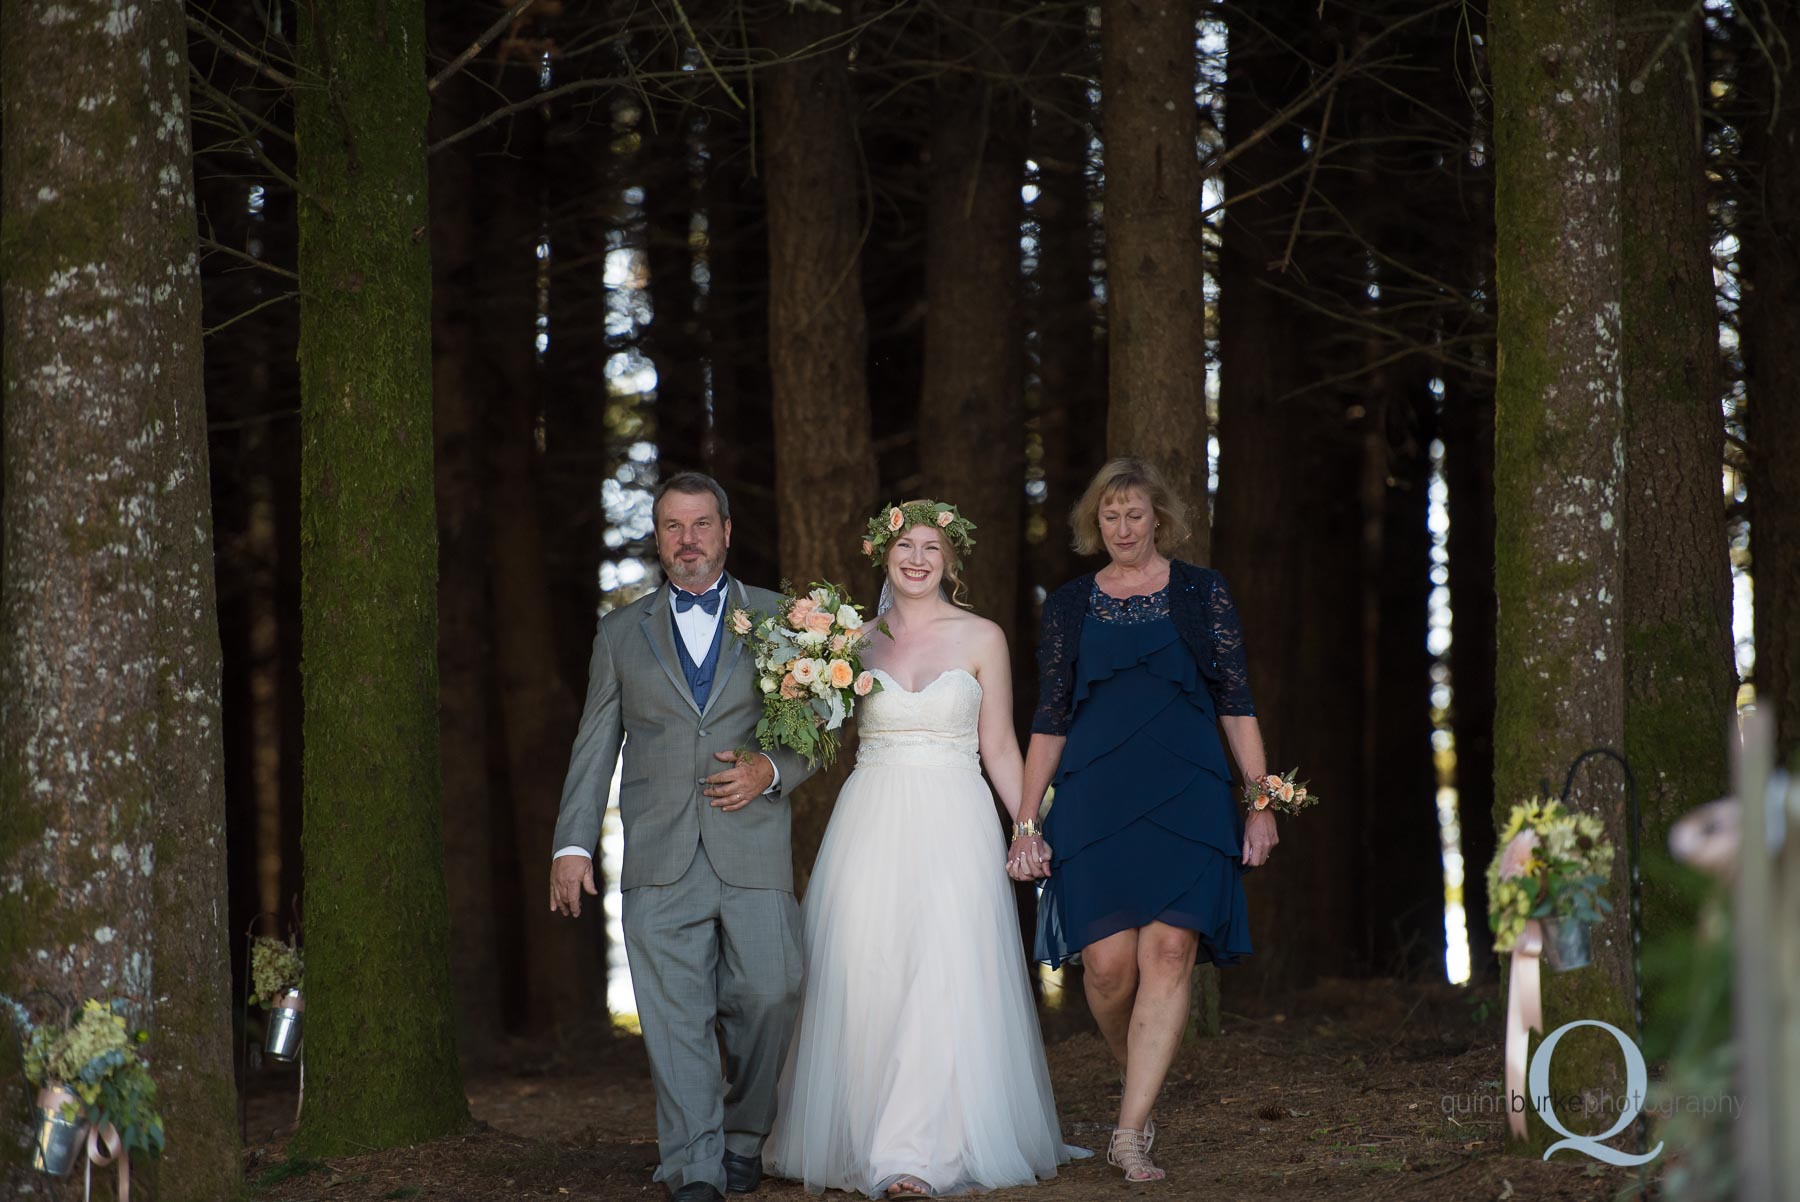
[1351, 1090]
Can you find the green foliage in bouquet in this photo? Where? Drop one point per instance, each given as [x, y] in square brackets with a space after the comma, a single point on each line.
[275, 968]
[1553, 863]
[97, 1058]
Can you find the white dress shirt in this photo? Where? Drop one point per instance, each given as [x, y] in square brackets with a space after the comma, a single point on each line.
[697, 628]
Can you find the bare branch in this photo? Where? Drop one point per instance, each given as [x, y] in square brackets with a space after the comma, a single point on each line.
[241, 55]
[479, 44]
[233, 252]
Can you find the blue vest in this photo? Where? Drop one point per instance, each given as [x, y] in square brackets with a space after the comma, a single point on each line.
[699, 676]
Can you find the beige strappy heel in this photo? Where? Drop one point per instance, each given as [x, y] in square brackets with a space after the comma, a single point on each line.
[1130, 1150]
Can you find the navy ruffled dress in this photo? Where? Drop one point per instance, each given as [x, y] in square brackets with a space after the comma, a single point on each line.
[1143, 825]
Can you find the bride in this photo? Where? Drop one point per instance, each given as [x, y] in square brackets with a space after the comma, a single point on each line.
[916, 1067]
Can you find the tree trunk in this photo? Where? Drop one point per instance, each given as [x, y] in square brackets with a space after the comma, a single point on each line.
[971, 431]
[1302, 904]
[1558, 453]
[464, 652]
[564, 968]
[376, 910]
[1680, 662]
[1469, 481]
[1770, 329]
[112, 806]
[673, 340]
[1402, 861]
[824, 465]
[1156, 310]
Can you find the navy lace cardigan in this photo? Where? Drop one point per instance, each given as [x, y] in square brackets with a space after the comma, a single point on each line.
[1201, 609]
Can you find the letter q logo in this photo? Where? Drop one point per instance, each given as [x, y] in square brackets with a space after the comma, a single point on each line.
[1636, 1079]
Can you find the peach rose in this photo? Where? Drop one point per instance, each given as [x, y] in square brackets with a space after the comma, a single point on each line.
[1287, 791]
[801, 609]
[790, 688]
[1300, 795]
[868, 547]
[865, 684]
[840, 673]
[896, 519]
[946, 517]
[819, 621]
[740, 622]
[1262, 801]
[839, 642]
[1271, 784]
[804, 671]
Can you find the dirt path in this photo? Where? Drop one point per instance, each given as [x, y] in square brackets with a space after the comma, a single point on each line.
[1357, 1090]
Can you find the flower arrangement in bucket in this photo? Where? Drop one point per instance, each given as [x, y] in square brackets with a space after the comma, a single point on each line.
[1552, 866]
[91, 1078]
[276, 976]
[808, 668]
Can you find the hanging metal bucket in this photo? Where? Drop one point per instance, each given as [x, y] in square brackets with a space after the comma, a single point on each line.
[283, 1042]
[1568, 944]
[56, 1144]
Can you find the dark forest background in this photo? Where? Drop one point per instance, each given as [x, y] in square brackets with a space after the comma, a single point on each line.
[1004, 284]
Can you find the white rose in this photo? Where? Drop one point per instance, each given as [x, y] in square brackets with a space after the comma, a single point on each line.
[768, 685]
[847, 617]
[812, 640]
[820, 596]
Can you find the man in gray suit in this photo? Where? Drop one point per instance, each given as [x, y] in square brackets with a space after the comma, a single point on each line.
[711, 927]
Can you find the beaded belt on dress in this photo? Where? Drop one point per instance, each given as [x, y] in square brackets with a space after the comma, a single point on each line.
[916, 749]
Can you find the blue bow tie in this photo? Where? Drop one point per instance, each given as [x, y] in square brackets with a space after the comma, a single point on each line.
[709, 600]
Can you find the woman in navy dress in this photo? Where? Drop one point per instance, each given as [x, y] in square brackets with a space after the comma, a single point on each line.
[1144, 845]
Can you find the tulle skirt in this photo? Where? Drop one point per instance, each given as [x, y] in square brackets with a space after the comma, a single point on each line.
[917, 1050]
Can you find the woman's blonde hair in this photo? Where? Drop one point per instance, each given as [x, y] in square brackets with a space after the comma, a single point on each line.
[952, 559]
[1115, 478]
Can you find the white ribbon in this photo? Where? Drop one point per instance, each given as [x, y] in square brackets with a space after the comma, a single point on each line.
[1524, 1012]
[115, 1151]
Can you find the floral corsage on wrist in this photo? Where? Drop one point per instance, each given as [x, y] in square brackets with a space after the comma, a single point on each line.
[1283, 794]
[884, 526]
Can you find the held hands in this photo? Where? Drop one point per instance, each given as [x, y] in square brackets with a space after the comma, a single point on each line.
[742, 783]
[1028, 858]
[570, 876]
[1259, 837]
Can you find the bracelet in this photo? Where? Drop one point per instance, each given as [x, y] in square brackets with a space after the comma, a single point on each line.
[1027, 829]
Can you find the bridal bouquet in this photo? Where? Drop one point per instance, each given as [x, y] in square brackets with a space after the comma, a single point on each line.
[809, 668]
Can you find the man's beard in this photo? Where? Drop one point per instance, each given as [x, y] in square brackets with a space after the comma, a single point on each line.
[691, 571]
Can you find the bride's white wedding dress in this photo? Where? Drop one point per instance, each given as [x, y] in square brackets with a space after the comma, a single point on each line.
[917, 1051]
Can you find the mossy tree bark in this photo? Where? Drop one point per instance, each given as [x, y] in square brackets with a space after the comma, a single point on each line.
[1680, 673]
[381, 1046]
[112, 807]
[1559, 455]
[972, 449]
[1770, 328]
[818, 334]
[1156, 309]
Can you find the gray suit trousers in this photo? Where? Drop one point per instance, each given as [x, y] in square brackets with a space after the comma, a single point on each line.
[710, 959]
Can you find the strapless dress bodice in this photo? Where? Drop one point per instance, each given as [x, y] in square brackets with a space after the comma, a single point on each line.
[930, 727]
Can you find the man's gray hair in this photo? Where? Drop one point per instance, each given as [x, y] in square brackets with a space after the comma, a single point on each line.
[693, 484]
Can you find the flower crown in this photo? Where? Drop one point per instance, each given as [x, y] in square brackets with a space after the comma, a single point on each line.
[895, 518]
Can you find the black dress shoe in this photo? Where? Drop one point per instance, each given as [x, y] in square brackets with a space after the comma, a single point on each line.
[698, 1191]
[742, 1173]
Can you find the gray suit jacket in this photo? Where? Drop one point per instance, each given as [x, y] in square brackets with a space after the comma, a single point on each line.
[636, 695]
